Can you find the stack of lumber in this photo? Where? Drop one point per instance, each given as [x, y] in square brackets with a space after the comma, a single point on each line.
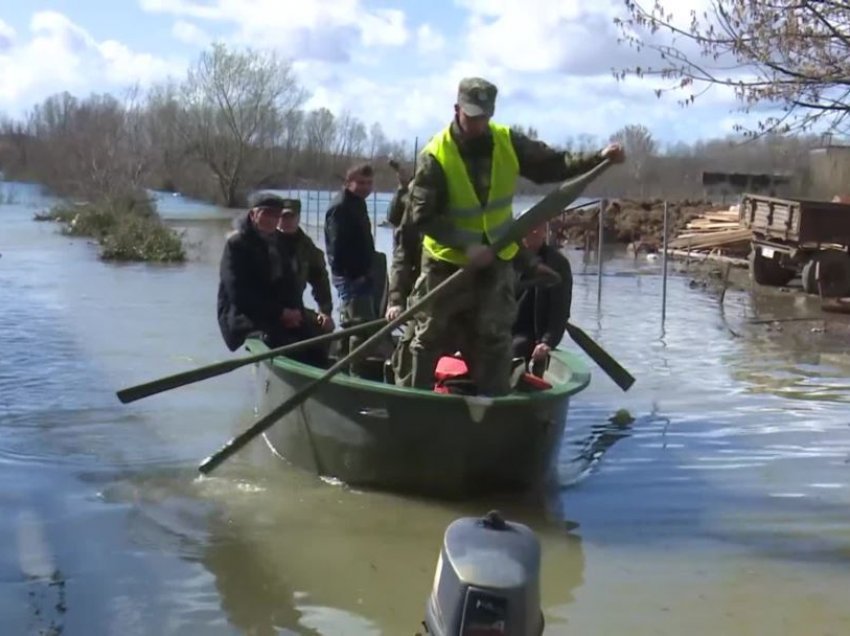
[717, 229]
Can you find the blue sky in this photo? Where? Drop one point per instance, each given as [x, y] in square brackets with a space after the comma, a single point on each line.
[397, 63]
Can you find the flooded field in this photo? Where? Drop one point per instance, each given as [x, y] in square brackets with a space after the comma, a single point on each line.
[723, 509]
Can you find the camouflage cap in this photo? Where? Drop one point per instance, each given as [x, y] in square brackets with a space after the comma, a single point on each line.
[476, 97]
[291, 206]
[276, 202]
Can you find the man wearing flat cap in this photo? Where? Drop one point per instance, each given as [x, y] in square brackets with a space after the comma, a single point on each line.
[259, 292]
[460, 200]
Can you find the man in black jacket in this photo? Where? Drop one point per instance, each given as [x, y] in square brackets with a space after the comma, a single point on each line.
[351, 251]
[258, 293]
[543, 311]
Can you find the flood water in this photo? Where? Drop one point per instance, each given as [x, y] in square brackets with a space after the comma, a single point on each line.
[723, 509]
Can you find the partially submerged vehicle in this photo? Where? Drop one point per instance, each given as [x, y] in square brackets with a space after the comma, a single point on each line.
[799, 237]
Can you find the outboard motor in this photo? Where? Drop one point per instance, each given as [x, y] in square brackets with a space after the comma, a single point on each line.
[487, 581]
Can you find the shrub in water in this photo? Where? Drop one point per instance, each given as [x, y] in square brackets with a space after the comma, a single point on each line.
[127, 228]
[138, 238]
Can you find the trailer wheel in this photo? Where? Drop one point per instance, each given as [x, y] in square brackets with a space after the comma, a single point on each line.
[834, 274]
[767, 271]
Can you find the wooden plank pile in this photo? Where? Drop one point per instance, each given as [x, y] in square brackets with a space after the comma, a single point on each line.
[715, 231]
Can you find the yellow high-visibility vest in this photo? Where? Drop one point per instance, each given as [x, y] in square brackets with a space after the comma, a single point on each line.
[471, 220]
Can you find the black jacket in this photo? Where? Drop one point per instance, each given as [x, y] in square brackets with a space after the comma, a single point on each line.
[543, 311]
[249, 300]
[348, 236]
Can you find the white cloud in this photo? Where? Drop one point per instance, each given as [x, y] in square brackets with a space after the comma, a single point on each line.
[543, 35]
[329, 30]
[60, 55]
[7, 36]
[190, 33]
[384, 28]
[186, 8]
[428, 40]
[551, 60]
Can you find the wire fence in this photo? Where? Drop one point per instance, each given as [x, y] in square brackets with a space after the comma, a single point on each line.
[314, 204]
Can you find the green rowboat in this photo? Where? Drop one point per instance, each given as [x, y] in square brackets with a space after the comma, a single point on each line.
[367, 433]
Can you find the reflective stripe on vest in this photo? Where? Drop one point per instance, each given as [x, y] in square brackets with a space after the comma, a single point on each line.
[471, 220]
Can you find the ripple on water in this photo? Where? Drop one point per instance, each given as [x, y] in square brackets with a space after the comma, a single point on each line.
[737, 458]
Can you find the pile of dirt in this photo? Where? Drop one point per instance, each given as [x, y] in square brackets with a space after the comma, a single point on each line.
[628, 221]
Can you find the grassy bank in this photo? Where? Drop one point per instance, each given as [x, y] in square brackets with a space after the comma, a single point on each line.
[127, 230]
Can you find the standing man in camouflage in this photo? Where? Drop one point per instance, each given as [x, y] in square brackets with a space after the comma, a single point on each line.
[404, 270]
[407, 246]
[461, 200]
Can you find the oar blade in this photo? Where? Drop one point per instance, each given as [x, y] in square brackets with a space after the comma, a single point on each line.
[615, 371]
[133, 393]
[552, 205]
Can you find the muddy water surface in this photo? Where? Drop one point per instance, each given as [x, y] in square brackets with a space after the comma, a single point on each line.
[723, 509]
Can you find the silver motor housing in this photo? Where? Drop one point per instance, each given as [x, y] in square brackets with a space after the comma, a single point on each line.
[487, 581]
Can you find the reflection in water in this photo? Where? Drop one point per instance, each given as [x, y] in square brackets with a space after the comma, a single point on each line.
[253, 592]
[806, 360]
[363, 561]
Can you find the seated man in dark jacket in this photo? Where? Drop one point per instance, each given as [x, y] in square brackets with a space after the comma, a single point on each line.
[307, 261]
[258, 292]
[543, 310]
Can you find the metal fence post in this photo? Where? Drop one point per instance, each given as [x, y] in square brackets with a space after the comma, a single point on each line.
[664, 267]
[600, 239]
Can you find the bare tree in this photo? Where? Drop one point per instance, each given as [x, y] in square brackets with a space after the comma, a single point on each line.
[529, 131]
[95, 148]
[790, 54]
[319, 133]
[350, 137]
[164, 118]
[586, 142]
[377, 141]
[235, 103]
[640, 147]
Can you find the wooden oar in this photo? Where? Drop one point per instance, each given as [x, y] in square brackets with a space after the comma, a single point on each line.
[609, 365]
[550, 206]
[139, 391]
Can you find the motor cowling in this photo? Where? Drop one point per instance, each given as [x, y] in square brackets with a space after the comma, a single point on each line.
[487, 581]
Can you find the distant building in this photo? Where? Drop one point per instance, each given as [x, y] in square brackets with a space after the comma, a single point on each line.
[729, 186]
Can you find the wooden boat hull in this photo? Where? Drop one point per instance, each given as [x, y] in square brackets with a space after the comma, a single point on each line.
[374, 435]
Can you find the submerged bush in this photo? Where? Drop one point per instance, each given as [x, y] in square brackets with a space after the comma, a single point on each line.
[127, 229]
[142, 239]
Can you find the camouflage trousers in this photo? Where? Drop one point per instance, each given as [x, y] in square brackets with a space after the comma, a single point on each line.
[355, 310]
[475, 317]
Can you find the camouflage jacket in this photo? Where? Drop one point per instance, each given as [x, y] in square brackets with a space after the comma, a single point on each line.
[538, 163]
[308, 263]
[407, 250]
[395, 210]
